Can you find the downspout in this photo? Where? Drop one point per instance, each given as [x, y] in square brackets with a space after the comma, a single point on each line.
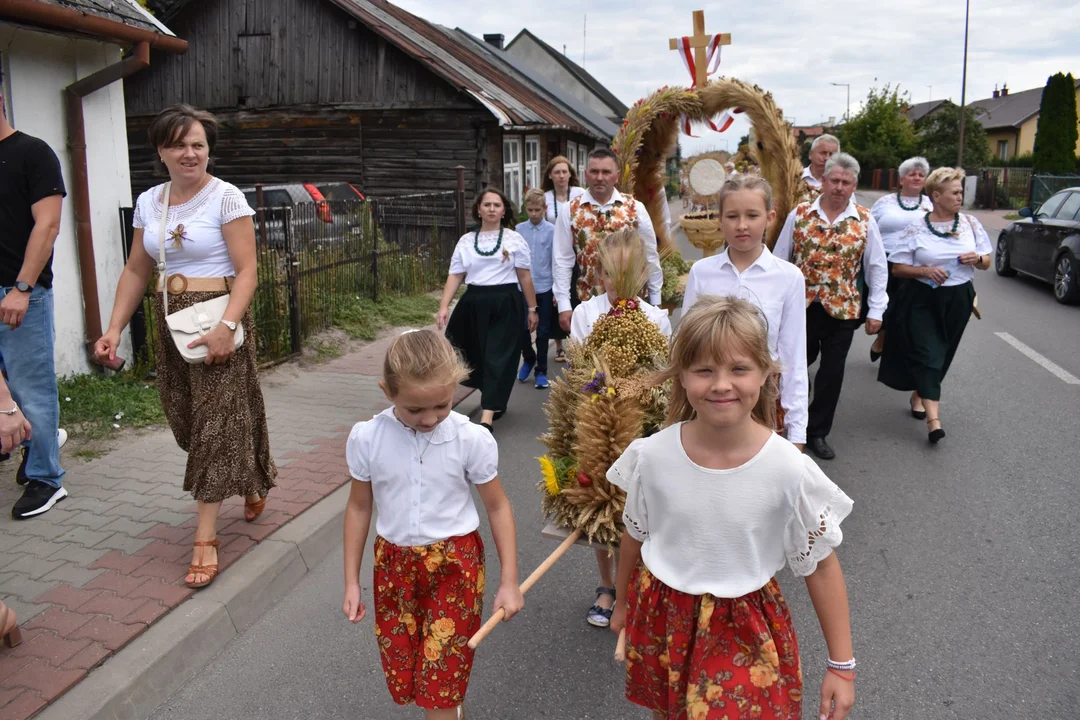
[80, 191]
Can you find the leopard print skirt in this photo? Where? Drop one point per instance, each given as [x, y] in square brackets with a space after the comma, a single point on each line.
[216, 413]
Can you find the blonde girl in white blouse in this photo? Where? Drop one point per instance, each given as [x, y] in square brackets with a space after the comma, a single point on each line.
[486, 323]
[716, 504]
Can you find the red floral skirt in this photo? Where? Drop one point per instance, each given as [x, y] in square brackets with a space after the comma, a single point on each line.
[428, 602]
[698, 657]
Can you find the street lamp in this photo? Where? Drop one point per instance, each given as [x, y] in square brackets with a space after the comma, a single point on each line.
[847, 115]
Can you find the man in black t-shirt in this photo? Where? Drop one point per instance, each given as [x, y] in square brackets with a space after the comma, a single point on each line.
[31, 196]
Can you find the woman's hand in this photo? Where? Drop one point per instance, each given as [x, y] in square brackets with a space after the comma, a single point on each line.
[618, 617]
[510, 599]
[353, 607]
[442, 317]
[107, 345]
[970, 259]
[220, 344]
[837, 697]
[936, 274]
[534, 320]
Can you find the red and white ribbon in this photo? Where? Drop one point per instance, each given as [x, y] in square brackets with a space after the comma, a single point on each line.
[725, 122]
[712, 58]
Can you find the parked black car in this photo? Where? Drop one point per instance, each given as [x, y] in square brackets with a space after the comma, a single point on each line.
[1045, 244]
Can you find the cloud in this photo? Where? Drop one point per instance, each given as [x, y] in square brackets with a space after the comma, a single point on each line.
[795, 48]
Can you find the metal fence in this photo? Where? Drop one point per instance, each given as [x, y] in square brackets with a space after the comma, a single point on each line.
[319, 260]
[1001, 188]
[1043, 186]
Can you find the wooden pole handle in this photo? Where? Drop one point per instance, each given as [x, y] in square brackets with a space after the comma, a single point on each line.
[620, 647]
[497, 617]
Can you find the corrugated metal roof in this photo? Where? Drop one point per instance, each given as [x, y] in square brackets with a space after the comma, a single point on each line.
[124, 11]
[510, 97]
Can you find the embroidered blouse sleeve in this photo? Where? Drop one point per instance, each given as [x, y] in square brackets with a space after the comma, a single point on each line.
[904, 254]
[234, 205]
[137, 217]
[982, 240]
[457, 260]
[482, 461]
[879, 207]
[814, 528]
[625, 474]
[356, 453]
[522, 253]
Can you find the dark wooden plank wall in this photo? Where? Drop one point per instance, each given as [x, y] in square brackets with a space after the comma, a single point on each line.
[283, 53]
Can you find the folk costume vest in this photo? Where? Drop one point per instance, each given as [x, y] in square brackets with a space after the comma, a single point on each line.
[830, 257]
[588, 228]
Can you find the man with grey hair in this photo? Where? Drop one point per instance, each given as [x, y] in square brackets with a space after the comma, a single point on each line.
[836, 244]
[823, 148]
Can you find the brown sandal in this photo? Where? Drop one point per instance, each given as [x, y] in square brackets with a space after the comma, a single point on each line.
[210, 571]
[255, 508]
[10, 634]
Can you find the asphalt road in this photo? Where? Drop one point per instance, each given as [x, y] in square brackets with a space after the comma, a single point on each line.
[960, 560]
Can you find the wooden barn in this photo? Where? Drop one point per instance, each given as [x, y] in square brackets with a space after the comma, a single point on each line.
[356, 90]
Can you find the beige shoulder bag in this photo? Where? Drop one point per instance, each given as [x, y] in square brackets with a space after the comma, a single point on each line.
[193, 322]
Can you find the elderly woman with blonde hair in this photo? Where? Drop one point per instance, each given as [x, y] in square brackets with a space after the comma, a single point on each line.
[940, 254]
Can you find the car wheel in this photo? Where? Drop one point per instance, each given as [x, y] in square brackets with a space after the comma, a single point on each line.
[1001, 258]
[1066, 282]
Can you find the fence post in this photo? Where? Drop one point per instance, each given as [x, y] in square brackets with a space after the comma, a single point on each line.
[259, 198]
[292, 276]
[375, 250]
[459, 200]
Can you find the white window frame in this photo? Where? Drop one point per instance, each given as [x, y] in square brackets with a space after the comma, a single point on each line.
[582, 163]
[532, 161]
[513, 181]
[571, 154]
[1003, 149]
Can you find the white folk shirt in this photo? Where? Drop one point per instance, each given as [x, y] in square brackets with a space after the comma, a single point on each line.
[498, 269]
[892, 219]
[922, 248]
[553, 212]
[810, 179]
[422, 482]
[203, 252]
[778, 289]
[565, 257]
[587, 313]
[875, 266]
[727, 532]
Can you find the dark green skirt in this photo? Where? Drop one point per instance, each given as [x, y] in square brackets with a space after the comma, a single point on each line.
[486, 328]
[925, 327]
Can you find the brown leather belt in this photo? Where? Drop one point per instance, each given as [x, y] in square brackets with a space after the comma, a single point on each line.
[179, 284]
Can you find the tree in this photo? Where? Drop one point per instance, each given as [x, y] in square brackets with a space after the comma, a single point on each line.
[1056, 134]
[939, 137]
[880, 135]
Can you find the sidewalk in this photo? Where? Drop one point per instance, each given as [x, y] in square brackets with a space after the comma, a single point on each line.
[89, 576]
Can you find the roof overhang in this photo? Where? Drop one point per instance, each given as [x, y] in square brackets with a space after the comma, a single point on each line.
[54, 17]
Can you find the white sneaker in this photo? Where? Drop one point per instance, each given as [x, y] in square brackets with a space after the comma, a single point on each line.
[61, 437]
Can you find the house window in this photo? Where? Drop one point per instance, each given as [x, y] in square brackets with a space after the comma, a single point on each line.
[571, 154]
[582, 162]
[1003, 149]
[512, 179]
[532, 162]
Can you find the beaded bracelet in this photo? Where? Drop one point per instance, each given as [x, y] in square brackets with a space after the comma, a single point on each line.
[846, 666]
[839, 674]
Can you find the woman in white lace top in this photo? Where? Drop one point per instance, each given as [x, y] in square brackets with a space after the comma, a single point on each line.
[214, 409]
[716, 504]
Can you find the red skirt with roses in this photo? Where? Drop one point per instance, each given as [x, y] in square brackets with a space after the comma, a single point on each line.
[699, 657]
[428, 602]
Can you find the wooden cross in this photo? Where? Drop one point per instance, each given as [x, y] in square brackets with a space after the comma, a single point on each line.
[700, 43]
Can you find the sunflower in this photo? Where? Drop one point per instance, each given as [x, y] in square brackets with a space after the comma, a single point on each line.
[551, 480]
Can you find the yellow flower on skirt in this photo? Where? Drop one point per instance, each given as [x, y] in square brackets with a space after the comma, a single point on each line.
[762, 676]
[698, 710]
[408, 621]
[769, 655]
[432, 649]
[432, 560]
[443, 629]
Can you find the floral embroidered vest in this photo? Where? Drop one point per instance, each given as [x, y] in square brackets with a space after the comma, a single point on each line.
[808, 193]
[588, 228]
[830, 257]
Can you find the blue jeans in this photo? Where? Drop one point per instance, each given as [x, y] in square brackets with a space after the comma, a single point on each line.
[539, 356]
[26, 355]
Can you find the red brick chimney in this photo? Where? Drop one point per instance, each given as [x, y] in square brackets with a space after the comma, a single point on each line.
[997, 93]
[1004, 91]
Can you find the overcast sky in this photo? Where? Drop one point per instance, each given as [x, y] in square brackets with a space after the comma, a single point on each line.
[795, 48]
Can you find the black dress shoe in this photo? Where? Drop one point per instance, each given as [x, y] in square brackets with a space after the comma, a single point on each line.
[819, 447]
[874, 355]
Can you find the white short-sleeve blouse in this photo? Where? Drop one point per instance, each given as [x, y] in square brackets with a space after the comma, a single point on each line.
[500, 268]
[892, 219]
[202, 251]
[727, 532]
[920, 247]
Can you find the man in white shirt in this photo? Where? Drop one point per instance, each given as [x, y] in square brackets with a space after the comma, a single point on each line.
[823, 148]
[837, 245]
[590, 217]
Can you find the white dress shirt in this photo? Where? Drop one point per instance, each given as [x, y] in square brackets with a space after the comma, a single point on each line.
[727, 532]
[552, 212]
[778, 289]
[893, 219]
[498, 269]
[587, 313]
[565, 257]
[875, 266]
[422, 482]
[810, 179]
[920, 247]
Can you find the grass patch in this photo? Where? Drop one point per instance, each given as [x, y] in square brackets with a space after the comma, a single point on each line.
[1012, 216]
[89, 453]
[90, 404]
[362, 319]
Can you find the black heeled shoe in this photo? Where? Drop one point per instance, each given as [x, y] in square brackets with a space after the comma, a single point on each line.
[917, 414]
[935, 436]
[874, 355]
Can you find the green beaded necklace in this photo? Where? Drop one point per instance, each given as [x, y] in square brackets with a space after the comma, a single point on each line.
[950, 233]
[900, 202]
[476, 244]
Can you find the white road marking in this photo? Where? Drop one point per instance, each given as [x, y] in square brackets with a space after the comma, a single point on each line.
[1041, 360]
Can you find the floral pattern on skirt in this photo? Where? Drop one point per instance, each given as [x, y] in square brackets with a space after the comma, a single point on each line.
[699, 657]
[428, 602]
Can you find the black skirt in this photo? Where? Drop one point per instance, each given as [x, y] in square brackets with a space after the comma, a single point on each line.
[924, 332]
[893, 288]
[486, 328]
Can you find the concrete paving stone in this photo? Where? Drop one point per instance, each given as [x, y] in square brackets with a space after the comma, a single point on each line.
[84, 537]
[128, 527]
[169, 517]
[91, 520]
[87, 658]
[82, 490]
[169, 572]
[139, 498]
[67, 597]
[53, 648]
[39, 527]
[25, 705]
[165, 550]
[147, 613]
[9, 694]
[164, 593]
[109, 633]
[25, 610]
[58, 620]
[91, 504]
[116, 560]
[23, 586]
[113, 606]
[80, 556]
[131, 512]
[176, 535]
[72, 574]
[9, 542]
[47, 680]
[45, 548]
[124, 543]
[33, 567]
[116, 582]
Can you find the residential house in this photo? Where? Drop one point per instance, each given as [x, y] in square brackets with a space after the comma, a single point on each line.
[918, 111]
[60, 63]
[1010, 120]
[356, 90]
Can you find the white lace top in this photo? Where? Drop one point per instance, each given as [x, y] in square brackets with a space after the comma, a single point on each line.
[727, 532]
[202, 252]
[892, 219]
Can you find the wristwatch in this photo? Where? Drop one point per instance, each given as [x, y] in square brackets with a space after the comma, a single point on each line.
[23, 286]
[12, 411]
[229, 324]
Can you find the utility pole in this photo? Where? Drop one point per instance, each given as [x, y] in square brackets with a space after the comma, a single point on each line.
[963, 88]
[930, 98]
[584, 38]
[847, 115]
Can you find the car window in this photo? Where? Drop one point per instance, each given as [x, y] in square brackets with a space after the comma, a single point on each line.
[277, 198]
[1047, 208]
[338, 191]
[1068, 208]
